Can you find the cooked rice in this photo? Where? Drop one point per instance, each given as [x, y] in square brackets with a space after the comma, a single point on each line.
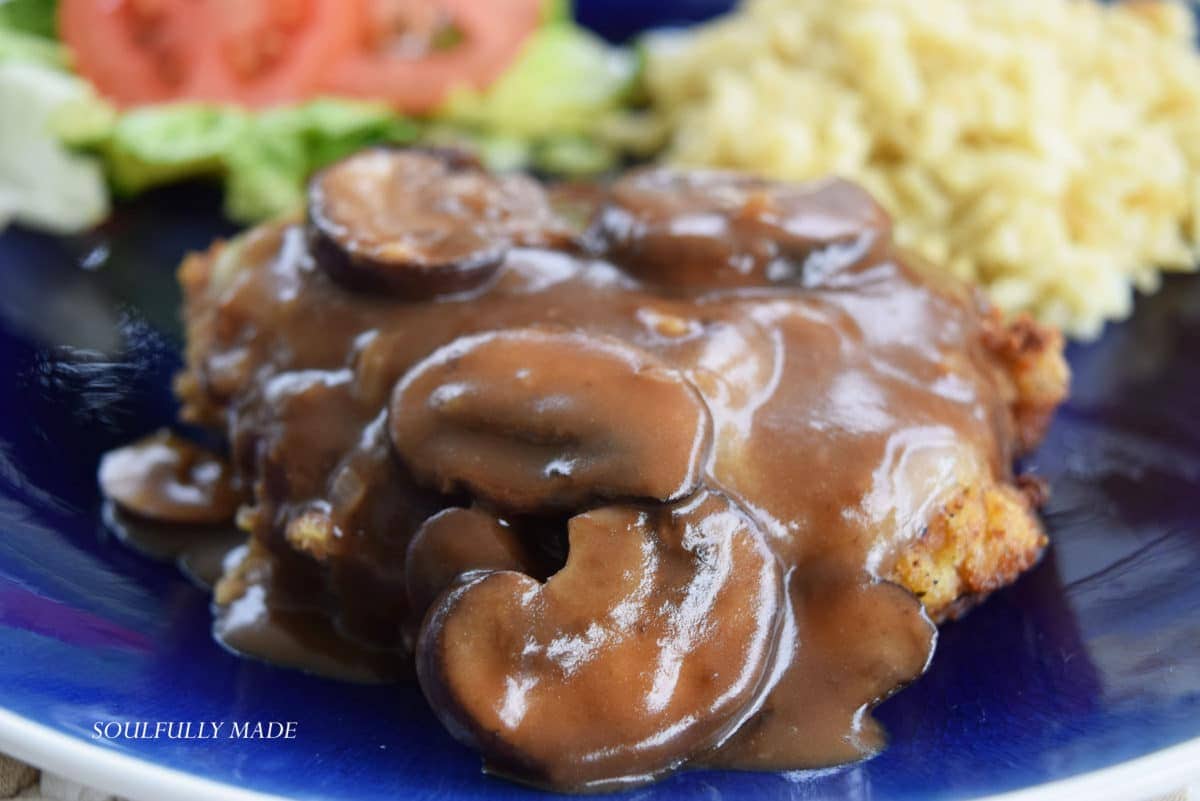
[1047, 149]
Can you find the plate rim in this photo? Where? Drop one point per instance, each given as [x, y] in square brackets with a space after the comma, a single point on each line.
[1158, 773]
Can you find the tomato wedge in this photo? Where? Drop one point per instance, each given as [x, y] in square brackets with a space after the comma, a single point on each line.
[411, 53]
[250, 52]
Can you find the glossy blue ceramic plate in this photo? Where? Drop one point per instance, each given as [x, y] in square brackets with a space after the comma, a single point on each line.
[1091, 660]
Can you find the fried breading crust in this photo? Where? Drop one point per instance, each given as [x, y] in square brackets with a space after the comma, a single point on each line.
[1039, 377]
[980, 541]
[987, 534]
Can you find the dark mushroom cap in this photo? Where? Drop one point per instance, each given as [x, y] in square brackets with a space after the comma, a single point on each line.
[420, 223]
[167, 478]
[651, 645]
[536, 420]
[714, 229]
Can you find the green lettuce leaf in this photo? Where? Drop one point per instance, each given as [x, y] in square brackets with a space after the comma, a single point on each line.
[268, 166]
[34, 17]
[27, 33]
[157, 145]
[24, 48]
[549, 110]
[263, 157]
[562, 83]
[557, 11]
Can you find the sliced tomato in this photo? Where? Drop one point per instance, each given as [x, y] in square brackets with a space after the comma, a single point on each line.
[411, 53]
[130, 55]
[251, 52]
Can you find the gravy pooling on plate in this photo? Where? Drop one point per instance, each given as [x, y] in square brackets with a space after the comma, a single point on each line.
[688, 485]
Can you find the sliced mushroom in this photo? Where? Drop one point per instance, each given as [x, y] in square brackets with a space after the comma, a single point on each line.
[650, 645]
[537, 420]
[165, 477]
[720, 229]
[453, 542]
[420, 223]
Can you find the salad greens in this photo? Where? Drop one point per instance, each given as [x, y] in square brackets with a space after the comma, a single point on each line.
[563, 80]
[263, 157]
[543, 113]
[17, 46]
[33, 17]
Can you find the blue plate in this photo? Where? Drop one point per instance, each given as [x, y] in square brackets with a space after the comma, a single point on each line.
[1091, 660]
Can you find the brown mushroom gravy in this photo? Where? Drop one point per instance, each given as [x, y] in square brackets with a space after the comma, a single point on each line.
[630, 496]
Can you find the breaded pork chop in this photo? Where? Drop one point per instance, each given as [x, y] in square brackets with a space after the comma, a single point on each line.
[704, 469]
